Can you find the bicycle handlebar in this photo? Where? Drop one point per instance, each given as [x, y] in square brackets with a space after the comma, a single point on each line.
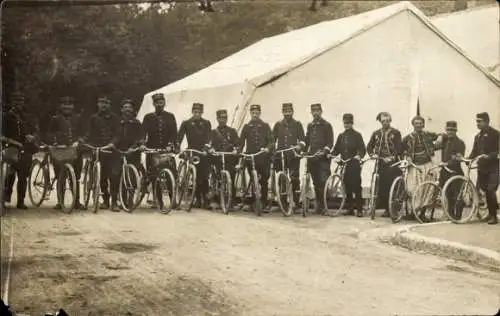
[224, 153]
[252, 155]
[128, 151]
[100, 148]
[317, 154]
[284, 150]
[194, 151]
[11, 141]
[445, 167]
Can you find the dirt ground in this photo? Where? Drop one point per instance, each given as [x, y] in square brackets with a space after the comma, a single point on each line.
[205, 263]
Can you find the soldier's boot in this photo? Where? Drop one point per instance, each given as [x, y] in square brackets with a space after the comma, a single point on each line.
[493, 215]
[58, 206]
[105, 203]
[114, 206]
[22, 183]
[320, 208]
[78, 205]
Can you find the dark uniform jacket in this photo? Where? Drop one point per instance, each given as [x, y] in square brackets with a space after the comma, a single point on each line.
[449, 150]
[319, 135]
[197, 133]
[487, 142]
[288, 133]
[130, 134]
[256, 134]
[349, 144]
[419, 146]
[16, 126]
[389, 146]
[225, 139]
[160, 129]
[64, 130]
[102, 129]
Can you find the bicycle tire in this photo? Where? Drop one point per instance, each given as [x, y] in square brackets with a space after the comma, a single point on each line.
[181, 178]
[188, 188]
[96, 186]
[67, 173]
[475, 199]
[44, 172]
[87, 183]
[305, 194]
[129, 182]
[372, 202]
[284, 193]
[165, 176]
[333, 186]
[241, 184]
[225, 191]
[143, 186]
[431, 192]
[257, 203]
[397, 191]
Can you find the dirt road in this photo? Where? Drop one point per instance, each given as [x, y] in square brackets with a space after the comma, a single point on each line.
[204, 263]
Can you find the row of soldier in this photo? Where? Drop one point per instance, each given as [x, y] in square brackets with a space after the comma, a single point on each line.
[159, 130]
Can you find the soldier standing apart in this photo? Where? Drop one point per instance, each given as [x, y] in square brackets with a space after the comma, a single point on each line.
[319, 137]
[418, 147]
[101, 132]
[197, 131]
[160, 130]
[225, 139]
[257, 136]
[289, 133]
[452, 150]
[130, 135]
[486, 146]
[350, 145]
[16, 126]
[65, 129]
[386, 146]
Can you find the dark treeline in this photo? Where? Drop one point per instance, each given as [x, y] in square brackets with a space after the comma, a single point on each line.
[124, 51]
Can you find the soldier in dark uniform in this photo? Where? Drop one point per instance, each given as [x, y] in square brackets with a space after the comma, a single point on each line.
[289, 133]
[102, 131]
[257, 136]
[319, 137]
[350, 145]
[452, 150]
[486, 146]
[197, 131]
[385, 145]
[18, 126]
[225, 139]
[65, 129]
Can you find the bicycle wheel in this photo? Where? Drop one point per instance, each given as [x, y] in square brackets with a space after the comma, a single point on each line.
[225, 191]
[426, 203]
[334, 192]
[96, 185]
[129, 188]
[284, 193]
[165, 189]
[482, 212]
[372, 200]
[397, 199]
[241, 185]
[143, 186]
[38, 184]
[181, 178]
[257, 203]
[87, 183]
[306, 187]
[66, 183]
[188, 186]
[460, 200]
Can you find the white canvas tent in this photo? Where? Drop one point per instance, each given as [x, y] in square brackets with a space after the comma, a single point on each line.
[477, 31]
[381, 60]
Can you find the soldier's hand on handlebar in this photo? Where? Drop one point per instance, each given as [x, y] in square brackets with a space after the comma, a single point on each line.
[483, 156]
[75, 144]
[374, 156]
[357, 157]
[387, 159]
[265, 149]
[235, 151]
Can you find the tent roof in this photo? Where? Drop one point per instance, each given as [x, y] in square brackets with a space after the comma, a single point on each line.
[475, 31]
[273, 56]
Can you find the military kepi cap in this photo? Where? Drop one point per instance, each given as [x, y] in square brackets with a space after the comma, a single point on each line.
[127, 101]
[287, 106]
[104, 100]
[66, 100]
[316, 106]
[220, 113]
[451, 125]
[348, 118]
[158, 97]
[197, 106]
[254, 107]
[483, 116]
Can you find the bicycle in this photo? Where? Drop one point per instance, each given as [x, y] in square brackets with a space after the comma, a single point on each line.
[427, 196]
[222, 183]
[373, 195]
[399, 196]
[252, 188]
[10, 156]
[468, 196]
[335, 186]
[306, 191]
[130, 182]
[186, 181]
[281, 185]
[92, 176]
[39, 179]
